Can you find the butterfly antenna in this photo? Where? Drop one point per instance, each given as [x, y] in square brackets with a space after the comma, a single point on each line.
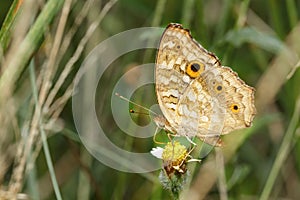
[132, 111]
[136, 112]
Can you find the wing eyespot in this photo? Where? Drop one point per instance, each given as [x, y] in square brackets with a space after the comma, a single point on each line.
[194, 69]
[218, 88]
[235, 108]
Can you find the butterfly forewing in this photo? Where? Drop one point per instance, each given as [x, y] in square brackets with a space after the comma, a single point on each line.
[177, 49]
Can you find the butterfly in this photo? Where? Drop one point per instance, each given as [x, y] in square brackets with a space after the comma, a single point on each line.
[196, 94]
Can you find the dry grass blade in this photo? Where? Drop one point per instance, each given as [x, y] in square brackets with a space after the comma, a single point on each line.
[50, 65]
[78, 21]
[222, 178]
[283, 152]
[293, 70]
[77, 53]
[276, 74]
[16, 62]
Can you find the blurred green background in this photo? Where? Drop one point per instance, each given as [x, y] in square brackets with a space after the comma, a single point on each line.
[257, 39]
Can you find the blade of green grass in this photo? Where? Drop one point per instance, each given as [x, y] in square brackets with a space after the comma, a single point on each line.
[276, 17]
[283, 151]
[5, 31]
[201, 28]
[292, 12]
[253, 36]
[158, 13]
[27, 47]
[242, 14]
[224, 18]
[43, 134]
[187, 12]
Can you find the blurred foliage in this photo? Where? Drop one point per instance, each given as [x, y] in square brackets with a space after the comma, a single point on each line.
[4, 6]
[258, 39]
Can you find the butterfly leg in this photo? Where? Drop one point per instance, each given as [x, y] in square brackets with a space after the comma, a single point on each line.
[154, 137]
[190, 141]
[171, 135]
[212, 140]
[191, 159]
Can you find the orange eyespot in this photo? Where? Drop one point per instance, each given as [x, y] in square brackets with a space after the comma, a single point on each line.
[194, 69]
[235, 108]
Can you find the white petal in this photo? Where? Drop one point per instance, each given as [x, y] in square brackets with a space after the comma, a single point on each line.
[157, 152]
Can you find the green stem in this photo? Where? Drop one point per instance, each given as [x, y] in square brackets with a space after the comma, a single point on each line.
[275, 17]
[43, 134]
[158, 13]
[282, 152]
[7, 25]
[292, 12]
[27, 47]
[187, 13]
